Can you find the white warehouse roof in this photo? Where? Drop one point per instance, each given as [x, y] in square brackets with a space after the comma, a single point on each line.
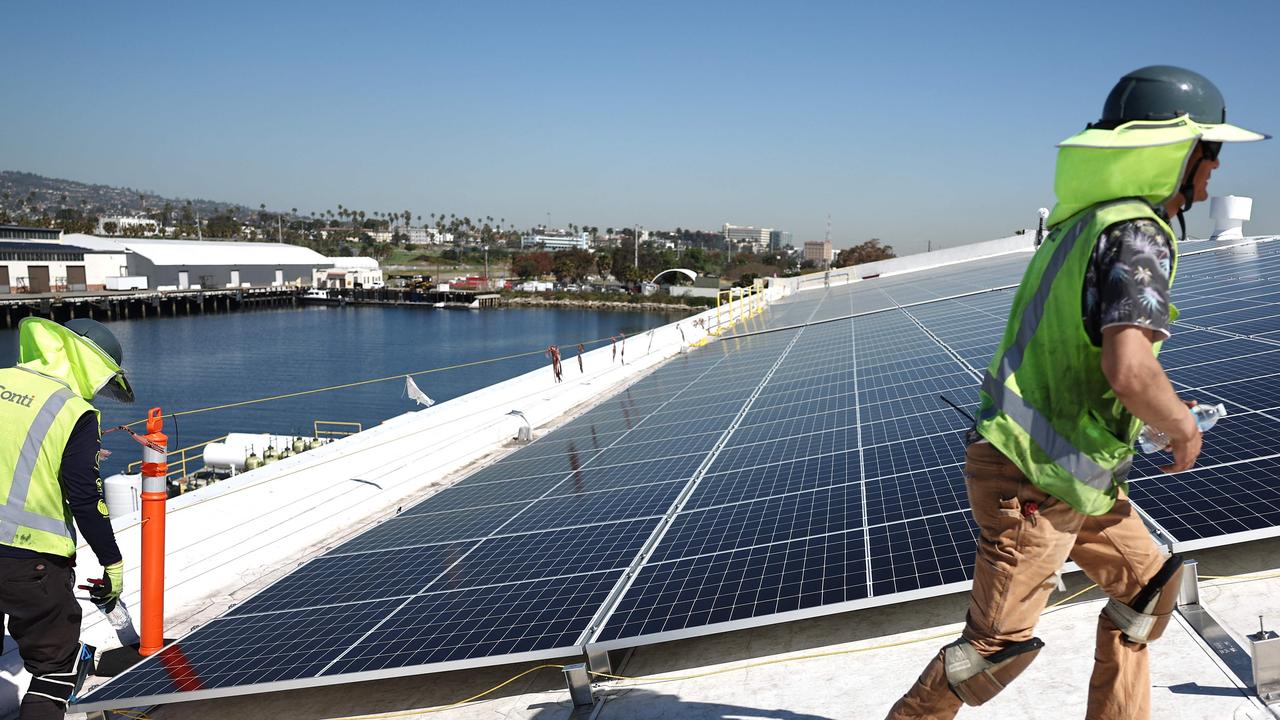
[352, 263]
[205, 252]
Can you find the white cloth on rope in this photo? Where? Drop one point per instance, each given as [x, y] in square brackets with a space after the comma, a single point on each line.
[416, 394]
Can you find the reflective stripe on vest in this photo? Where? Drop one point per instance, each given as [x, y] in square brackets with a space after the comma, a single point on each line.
[13, 514]
[1005, 400]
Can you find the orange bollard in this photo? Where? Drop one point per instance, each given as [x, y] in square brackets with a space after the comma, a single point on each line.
[154, 495]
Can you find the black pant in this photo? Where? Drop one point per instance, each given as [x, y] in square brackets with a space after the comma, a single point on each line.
[44, 620]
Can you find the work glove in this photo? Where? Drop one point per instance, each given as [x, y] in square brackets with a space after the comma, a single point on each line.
[105, 591]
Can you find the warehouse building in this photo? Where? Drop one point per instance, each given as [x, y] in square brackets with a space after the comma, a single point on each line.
[348, 272]
[33, 260]
[209, 264]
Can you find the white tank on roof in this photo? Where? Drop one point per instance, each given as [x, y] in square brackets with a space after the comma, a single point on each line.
[123, 494]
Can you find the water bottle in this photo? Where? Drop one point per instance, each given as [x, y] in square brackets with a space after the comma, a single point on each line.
[1151, 439]
[119, 616]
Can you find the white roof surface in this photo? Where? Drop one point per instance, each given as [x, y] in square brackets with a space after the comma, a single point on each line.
[205, 252]
[350, 263]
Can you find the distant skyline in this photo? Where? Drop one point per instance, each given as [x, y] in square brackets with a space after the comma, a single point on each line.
[911, 122]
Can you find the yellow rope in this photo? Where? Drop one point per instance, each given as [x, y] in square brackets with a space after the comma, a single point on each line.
[1069, 598]
[358, 383]
[131, 714]
[442, 708]
[721, 671]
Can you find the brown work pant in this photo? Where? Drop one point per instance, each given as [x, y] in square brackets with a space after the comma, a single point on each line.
[1013, 576]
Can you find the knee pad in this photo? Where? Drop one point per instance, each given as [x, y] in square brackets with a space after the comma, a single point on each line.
[977, 679]
[1145, 617]
[62, 688]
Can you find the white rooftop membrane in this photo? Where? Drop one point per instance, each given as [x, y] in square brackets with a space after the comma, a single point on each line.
[203, 252]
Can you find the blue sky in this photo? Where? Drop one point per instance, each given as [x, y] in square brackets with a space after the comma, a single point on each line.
[909, 121]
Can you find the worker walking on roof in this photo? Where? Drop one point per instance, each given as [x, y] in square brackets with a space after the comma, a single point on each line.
[1066, 394]
[49, 446]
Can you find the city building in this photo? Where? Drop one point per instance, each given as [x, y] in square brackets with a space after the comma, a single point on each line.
[736, 236]
[124, 225]
[778, 240]
[555, 241]
[192, 264]
[703, 286]
[818, 251]
[412, 235]
[348, 272]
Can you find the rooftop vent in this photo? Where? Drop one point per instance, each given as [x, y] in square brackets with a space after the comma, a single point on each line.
[1229, 213]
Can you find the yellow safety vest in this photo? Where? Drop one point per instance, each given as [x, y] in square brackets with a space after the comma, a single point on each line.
[37, 415]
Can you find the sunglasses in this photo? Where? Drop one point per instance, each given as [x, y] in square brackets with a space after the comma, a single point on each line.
[1209, 150]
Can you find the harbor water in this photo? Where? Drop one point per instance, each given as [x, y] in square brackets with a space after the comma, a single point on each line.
[189, 362]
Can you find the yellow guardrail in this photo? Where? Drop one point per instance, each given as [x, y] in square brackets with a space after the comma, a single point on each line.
[335, 428]
[186, 460]
[736, 304]
[178, 467]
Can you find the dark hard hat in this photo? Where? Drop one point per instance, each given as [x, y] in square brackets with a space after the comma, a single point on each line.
[1163, 92]
[98, 334]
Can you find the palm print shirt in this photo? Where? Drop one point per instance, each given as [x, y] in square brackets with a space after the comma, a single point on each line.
[1127, 282]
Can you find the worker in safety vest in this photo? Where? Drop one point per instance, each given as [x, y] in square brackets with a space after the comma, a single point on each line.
[49, 447]
[1066, 394]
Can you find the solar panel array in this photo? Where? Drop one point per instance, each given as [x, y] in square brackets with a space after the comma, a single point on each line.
[763, 478]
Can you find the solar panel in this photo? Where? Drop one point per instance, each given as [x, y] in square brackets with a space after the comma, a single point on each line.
[668, 599]
[1199, 507]
[753, 481]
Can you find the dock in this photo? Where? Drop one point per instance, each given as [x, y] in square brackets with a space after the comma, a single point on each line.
[106, 305]
[420, 298]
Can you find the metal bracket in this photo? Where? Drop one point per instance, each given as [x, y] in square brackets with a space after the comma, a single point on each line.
[1266, 665]
[598, 660]
[579, 682]
[1211, 631]
[1189, 586]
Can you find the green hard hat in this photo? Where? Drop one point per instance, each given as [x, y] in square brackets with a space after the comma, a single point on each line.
[1165, 92]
